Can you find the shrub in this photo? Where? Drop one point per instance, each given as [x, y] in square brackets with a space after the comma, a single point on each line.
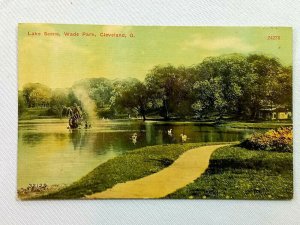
[280, 140]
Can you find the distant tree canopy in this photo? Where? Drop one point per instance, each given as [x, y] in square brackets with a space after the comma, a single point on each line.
[58, 101]
[21, 103]
[234, 85]
[36, 95]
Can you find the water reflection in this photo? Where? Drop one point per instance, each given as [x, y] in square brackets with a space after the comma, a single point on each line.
[50, 153]
[60, 136]
[33, 138]
[79, 138]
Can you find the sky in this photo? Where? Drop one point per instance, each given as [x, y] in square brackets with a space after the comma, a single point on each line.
[59, 61]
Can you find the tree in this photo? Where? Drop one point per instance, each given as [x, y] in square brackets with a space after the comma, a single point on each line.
[58, 101]
[96, 90]
[27, 89]
[169, 88]
[219, 83]
[131, 96]
[36, 94]
[284, 92]
[72, 99]
[264, 89]
[205, 97]
[40, 97]
[21, 103]
[100, 91]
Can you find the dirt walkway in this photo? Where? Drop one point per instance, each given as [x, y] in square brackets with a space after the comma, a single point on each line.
[189, 166]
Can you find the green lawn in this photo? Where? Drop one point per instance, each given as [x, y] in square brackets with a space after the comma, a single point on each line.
[261, 124]
[238, 173]
[129, 166]
[233, 173]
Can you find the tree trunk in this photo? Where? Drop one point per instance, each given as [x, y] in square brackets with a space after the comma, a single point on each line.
[166, 110]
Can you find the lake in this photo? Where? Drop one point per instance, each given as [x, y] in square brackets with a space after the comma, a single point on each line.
[50, 153]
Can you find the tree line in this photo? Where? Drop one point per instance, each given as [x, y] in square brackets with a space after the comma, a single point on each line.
[232, 85]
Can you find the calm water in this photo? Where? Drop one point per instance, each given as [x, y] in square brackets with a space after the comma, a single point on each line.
[50, 153]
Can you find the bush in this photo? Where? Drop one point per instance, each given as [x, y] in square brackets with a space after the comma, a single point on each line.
[280, 140]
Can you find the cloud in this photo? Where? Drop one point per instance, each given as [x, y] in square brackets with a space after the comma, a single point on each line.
[215, 44]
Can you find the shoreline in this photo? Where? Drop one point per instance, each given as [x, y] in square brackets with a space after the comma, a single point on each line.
[149, 161]
[229, 124]
[128, 166]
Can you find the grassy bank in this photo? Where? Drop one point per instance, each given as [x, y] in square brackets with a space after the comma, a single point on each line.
[258, 125]
[35, 113]
[238, 173]
[45, 113]
[129, 166]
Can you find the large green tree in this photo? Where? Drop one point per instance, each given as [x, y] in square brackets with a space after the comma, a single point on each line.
[267, 84]
[100, 90]
[131, 96]
[219, 83]
[170, 90]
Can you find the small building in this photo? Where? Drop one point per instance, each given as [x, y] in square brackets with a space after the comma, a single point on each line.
[276, 113]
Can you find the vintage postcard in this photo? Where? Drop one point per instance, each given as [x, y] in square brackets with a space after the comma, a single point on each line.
[154, 112]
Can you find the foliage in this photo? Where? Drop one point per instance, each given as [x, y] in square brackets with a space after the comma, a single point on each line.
[239, 173]
[263, 85]
[101, 91]
[219, 86]
[58, 101]
[280, 139]
[21, 103]
[169, 89]
[131, 96]
[234, 85]
[36, 95]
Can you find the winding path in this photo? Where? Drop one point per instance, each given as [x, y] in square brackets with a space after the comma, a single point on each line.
[189, 166]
